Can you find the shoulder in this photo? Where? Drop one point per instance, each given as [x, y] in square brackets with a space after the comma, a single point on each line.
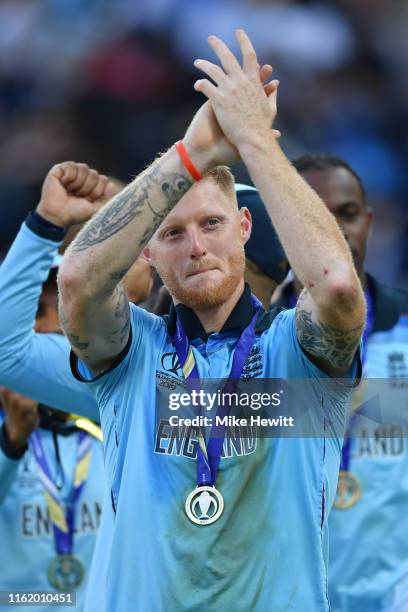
[146, 321]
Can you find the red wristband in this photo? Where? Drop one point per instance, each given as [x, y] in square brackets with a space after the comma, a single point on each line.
[187, 163]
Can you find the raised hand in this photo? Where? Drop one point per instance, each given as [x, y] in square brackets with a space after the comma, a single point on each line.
[205, 141]
[72, 193]
[245, 108]
[20, 417]
[204, 138]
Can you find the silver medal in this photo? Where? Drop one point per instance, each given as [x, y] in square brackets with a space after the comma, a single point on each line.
[204, 505]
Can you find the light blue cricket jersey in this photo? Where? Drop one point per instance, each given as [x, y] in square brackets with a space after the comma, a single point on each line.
[268, 551]
[368, 570]
[27, 541]
[35, 365]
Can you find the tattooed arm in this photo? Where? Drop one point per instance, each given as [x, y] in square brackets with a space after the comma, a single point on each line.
[330, 346]
[94, 308]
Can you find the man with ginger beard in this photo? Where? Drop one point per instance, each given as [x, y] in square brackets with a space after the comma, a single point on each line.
[185, 506]
[266, 264]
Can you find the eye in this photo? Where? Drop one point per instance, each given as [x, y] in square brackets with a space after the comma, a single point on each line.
[172, 233]
[349, 215]
[212, 222]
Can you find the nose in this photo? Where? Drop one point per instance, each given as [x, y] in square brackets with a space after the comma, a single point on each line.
[197, 248]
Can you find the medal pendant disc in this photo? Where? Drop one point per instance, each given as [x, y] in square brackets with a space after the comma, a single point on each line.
[348, 491]
[65, 573]
[204, 505]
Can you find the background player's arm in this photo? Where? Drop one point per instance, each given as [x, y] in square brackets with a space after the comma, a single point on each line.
[20, 419]
[331, 312]
[95, 311]
[37, 365]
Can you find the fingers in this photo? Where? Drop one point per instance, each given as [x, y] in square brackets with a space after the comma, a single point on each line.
[211, 70]
[271, 88]
[89, 178]
[249, 59]
[111, 189]
[272, 94]
[65, 172]
[229, 63]
[98, 192]
[205, 87]
[74, 175]
[80, 180]
[265, 72]
[228, 60]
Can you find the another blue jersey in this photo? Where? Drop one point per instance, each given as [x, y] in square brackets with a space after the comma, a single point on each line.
[26, 535]
[368, 541]
[35, 365]
[268, 551]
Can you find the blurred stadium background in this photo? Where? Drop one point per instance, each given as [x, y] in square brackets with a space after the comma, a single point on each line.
[109, 83]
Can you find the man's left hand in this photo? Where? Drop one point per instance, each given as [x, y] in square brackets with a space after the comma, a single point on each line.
[245, 108]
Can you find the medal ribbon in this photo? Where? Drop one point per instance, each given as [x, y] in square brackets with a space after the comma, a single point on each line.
[87, 425]
[62, 518]
[209, 455]
[345, 452]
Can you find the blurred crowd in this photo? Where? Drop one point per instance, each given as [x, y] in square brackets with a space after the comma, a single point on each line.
[110, 83]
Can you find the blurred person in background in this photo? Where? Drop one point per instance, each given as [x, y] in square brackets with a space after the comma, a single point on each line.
[36, 363]
[51, 486]
[368, 524]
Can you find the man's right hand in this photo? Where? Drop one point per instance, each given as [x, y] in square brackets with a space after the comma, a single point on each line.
[21, 417]
[72, 193]
[204, 139]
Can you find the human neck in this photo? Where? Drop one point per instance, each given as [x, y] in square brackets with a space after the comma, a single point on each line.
[213, 319]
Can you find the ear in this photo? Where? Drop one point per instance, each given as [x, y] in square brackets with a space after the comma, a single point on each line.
[146, 255]
[246, 224]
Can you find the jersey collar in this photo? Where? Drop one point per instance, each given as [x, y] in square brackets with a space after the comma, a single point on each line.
[239, 317]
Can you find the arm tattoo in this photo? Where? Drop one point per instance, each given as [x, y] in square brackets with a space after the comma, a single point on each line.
[122, 304]
[335, 346]
[74, 340]
[122, 313]
[132, 202]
